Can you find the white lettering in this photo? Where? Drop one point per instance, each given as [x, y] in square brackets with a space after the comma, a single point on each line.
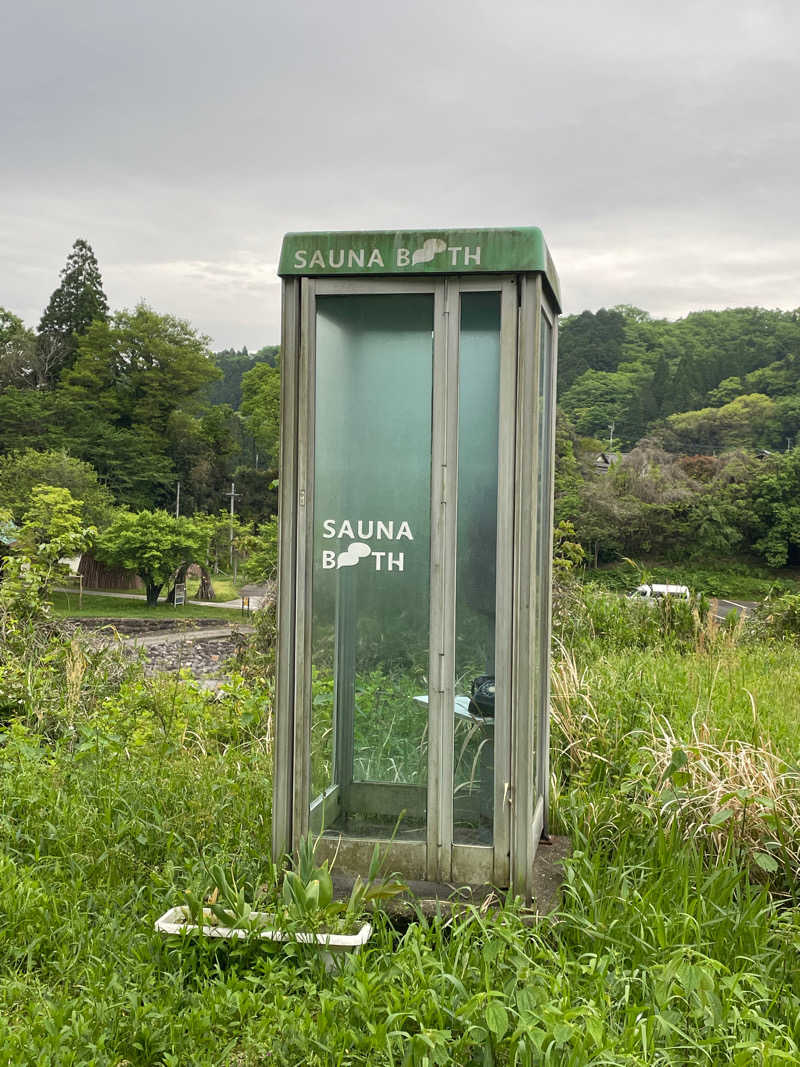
[403, 257]
[355, 257]
[336, 266]
[317, 260]
[472, 257]
[454, 250]
[328, 560]
[300, 257]
[396, 563]
[378, 557]
[375, 259]
[367, 529]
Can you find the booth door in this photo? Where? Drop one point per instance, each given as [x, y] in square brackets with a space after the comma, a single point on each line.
[404, 611]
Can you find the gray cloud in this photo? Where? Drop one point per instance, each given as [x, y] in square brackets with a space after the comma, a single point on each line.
[656, 146]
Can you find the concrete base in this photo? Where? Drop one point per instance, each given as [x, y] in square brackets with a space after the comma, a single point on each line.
[440, 898]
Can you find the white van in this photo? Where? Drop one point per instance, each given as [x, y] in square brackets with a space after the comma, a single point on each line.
[657, 592]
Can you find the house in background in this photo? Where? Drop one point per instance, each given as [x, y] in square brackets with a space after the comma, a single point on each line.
[604, 460]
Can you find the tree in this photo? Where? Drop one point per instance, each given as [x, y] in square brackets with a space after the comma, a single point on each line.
[53, 526]
[261, 401]
[17, 352]
[22, 470]
[659, 386]
[568, 480]
[74, 306]
[130, 375]
[140, 367]
[774, 496]
[589, 342]
[204, 451]
[151, 543]
[234, 364]
[262, 562]
[599, 398]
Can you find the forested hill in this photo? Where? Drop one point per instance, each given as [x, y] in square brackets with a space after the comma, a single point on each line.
[234, 364]
[132, 404]
[710, 381]
[136, 399]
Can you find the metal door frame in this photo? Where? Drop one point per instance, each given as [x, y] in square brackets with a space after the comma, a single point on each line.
[437, 857]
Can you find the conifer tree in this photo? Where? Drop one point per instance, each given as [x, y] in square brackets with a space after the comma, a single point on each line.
[74, 305]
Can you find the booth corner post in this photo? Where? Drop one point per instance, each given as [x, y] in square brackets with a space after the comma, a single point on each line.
[417, 439]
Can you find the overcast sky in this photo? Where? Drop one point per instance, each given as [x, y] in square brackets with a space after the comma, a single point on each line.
[656, 144]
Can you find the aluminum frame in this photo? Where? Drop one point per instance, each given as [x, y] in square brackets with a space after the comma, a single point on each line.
[524, 536]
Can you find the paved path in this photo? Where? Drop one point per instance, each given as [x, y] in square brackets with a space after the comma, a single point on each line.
[725, 607]
[188, 634]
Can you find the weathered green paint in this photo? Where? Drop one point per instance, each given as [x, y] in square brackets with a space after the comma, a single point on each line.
[418, 252]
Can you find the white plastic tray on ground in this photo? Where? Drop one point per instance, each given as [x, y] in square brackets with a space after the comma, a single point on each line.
[174, 921]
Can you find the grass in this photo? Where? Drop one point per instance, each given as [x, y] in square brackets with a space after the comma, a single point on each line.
[224, 587]
[746, 692]
[672, 945]
[736, 580]
[66, 605]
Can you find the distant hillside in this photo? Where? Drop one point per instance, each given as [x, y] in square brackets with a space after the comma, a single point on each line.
[712, 380]
[234, 363]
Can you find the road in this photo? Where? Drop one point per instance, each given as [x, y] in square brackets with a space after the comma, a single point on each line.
[725, 607]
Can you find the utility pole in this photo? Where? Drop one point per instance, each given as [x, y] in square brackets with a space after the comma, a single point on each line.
[178, 501]
[232, 494]
[611, 439]
[788, 443]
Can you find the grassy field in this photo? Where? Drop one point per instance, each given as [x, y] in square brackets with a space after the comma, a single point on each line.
[733, 580]
[677, 940]
[66, 605]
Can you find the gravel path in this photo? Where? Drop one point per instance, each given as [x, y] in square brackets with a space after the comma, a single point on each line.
[204, 650]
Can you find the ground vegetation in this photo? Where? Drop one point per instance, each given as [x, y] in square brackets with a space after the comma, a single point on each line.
[674, 775]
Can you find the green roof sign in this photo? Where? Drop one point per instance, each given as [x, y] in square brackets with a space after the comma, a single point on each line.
[418, 252]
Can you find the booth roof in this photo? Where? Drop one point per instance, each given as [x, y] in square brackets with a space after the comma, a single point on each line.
[382, 252]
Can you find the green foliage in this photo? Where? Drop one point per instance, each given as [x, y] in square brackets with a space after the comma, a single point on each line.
[53, 526]
[622, 365]
[203, 449]
[584, 616]
[118, 792]
[19, 365]
[219, 535]
[68, 605]
[77, 302]
[141, 366]
[692, 508]
[775, 502]
[262, 562]
[21, 471]
[587, 341]
[749, 421]
[131, 373]
[778, 617]
[234, 364]
[153, 544]
[567, 553]
[261, 392]
[728, 579]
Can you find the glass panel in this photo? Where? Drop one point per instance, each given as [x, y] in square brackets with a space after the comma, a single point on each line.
[544, 551]
[370, 622]
[478, 419]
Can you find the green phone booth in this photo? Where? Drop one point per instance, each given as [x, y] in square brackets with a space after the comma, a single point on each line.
[418, 413]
